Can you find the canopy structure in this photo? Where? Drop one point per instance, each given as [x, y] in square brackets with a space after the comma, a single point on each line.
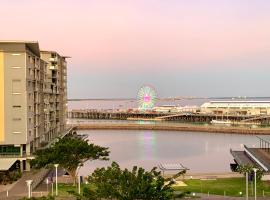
[6, 163]
[171, 167]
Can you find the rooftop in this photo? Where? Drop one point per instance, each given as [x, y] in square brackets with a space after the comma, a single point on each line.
[32, 45]
[253, 104]
[242, 158]
[239, 101]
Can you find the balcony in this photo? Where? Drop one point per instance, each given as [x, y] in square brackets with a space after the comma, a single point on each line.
[15, 155]
[53, 67]
[53, 59]
[54, 75]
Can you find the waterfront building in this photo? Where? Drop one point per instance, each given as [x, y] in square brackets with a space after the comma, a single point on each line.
[55, 94]
[176, 109]
[32, 100]
[236, 107]
[258, 157]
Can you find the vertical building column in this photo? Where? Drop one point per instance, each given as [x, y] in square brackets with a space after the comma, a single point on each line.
[21, 165]
[2, 100]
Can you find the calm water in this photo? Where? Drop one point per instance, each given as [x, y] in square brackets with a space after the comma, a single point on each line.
[200, 152]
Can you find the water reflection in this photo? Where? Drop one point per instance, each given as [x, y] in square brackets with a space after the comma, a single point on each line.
[200, 152]
[147, 145]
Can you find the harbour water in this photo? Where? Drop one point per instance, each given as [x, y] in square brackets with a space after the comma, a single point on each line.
[200, 152]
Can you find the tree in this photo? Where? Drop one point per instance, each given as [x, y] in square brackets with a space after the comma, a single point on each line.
[114, 183]
[70, 153]
[242, 169]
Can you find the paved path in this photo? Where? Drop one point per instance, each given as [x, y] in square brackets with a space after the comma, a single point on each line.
[212, 175]
[20, 189]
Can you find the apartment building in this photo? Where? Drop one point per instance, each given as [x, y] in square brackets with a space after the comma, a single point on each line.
[32, 100]
[55, 94]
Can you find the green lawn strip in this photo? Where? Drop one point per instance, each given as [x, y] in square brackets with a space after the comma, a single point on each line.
[231, 186]
[63, 189]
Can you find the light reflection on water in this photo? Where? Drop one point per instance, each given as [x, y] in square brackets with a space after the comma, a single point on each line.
[147, 143]
[200, 152]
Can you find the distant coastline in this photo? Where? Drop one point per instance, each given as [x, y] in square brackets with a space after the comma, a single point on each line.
[169, 98]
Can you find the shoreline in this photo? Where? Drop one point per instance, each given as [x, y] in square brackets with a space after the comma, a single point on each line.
[173, 127]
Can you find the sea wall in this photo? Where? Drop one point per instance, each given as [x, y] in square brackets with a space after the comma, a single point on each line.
[174, 127]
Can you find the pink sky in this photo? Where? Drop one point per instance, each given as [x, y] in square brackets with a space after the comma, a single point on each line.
[144, 35]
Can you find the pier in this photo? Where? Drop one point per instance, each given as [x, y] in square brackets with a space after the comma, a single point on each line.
[158, 116]
[110, 114]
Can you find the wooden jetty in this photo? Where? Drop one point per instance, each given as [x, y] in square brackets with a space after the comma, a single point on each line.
[110, 115]
[156, 116]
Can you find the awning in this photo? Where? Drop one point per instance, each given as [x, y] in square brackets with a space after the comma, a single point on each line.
[172, 166]
[6, 163]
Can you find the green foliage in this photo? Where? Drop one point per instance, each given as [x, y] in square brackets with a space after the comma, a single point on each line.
[9, 176]
[242, 169]
[70, 153]
[114, 183]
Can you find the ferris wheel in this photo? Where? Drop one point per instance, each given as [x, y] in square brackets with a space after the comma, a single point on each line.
[146, 97]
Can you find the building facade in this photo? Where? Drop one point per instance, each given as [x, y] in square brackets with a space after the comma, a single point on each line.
[236, 107]
[176, 109]
[32, 100]
[55, 94]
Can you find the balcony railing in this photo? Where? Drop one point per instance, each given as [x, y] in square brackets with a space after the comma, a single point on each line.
[15, 155]
[53, 59]
[54, 67]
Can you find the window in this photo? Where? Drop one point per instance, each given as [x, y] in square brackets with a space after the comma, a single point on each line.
[16, 106]
[10, 149]
[17, 119]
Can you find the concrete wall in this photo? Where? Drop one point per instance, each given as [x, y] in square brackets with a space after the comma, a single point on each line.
[15, 98]
[2, 106]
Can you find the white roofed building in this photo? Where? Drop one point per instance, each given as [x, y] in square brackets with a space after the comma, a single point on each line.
[236, 107]
[175, 109]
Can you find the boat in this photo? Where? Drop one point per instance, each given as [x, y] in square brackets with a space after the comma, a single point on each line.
[220, 122]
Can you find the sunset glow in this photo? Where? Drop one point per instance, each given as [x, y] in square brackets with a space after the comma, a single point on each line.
[120, 39]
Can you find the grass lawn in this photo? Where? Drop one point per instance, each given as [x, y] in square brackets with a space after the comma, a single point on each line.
[64, 188]
[231, 187]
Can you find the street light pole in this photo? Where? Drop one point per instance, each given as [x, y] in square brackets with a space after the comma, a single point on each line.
[56, 186]
[79, 184]
[29, 183]
[255, 189]
[246, 185]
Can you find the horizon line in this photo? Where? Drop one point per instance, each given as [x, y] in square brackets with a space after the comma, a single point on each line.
[164, 98]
